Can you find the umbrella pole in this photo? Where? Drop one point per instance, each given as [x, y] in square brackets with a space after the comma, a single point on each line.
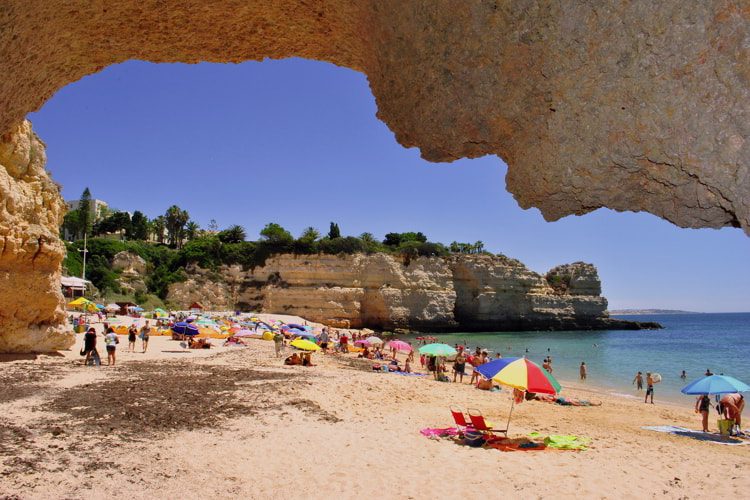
[507, 426]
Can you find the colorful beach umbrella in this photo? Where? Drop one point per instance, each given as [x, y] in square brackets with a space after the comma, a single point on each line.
[715, 384]
[437, 350]
[305, 345]
[83, 304]
[399, 345]
[183, 328]
[374, 340]
[521, 374]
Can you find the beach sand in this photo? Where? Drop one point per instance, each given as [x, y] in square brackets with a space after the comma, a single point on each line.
[231, 422]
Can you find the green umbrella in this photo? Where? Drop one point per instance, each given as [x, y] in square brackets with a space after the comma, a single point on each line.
[437, 350]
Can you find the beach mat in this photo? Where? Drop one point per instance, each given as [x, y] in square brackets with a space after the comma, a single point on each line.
[697, 435]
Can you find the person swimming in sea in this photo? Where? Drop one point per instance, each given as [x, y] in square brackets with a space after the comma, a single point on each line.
[638, 381]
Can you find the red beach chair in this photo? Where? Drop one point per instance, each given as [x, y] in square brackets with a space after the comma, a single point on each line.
[460, 418]
[479, 423]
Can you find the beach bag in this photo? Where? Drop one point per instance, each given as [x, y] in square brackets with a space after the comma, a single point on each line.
[725, 426]
[474, 439]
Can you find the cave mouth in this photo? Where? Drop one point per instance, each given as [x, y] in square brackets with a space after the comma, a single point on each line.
[585, 113]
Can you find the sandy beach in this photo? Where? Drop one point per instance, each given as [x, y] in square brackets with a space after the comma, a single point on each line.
[233, 421]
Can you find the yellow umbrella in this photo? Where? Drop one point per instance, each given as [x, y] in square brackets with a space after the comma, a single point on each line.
[305, 345]
[83, 304]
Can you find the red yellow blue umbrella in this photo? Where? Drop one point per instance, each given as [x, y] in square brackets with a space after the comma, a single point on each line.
[521, 374]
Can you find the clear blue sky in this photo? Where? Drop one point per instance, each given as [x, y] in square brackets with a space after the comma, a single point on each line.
[297, 142]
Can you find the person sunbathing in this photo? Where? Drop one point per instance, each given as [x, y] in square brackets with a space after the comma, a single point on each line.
[307, 360]
[563, 401]
[294, 359]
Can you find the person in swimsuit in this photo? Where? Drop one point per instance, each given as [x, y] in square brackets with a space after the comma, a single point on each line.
[459, 367]
[583, 371]
[649, 388]
[683, 375]
[732, 406]
[638, 381]
[702, 404]
[145, 333]
[131, 338]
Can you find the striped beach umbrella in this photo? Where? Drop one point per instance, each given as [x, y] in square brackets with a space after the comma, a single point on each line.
[521, 374]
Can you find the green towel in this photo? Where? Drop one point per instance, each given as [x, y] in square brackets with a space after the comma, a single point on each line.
[569, 442]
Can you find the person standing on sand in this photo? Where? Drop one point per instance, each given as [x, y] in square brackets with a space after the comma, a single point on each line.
[638, 381]
[649, 388]
[132, 332]
[111, 341]
[583, 371]
[459, 367]
[278, 342]
[145, 333]
[324, 340]
[702, 404]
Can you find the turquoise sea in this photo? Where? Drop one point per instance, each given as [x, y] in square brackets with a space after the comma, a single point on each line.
[691, 342]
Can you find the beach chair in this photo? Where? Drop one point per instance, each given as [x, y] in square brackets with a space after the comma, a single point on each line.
[460, 418]
[479, 423]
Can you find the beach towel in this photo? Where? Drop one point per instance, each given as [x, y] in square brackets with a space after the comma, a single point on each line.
[565, 442]
[517, 444]
[436, 433]
[698, 435]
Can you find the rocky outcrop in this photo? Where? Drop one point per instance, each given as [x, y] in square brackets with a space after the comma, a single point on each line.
[459, 293]
[132, 269]
[636, 105]
[32, 318]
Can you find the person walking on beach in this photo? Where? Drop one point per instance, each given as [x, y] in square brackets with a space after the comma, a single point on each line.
[638, 381]
[132, 332]
[649, 388]
[583, 371]
[459, 367]
[111, 341]
[145, 333]
[324, 340]
[702, 404]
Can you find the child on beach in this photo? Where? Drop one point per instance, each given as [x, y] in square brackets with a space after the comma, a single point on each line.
[111, 341]
[702, 404]
[583, 371]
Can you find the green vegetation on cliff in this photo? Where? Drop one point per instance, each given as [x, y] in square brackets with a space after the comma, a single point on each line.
[211, 249]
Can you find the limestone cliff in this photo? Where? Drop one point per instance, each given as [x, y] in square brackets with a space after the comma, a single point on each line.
[458, 293]
[31, 210]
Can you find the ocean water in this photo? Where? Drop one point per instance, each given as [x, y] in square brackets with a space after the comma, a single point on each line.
[690, 342]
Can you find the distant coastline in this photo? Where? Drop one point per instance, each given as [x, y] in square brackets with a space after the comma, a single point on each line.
[633, 312]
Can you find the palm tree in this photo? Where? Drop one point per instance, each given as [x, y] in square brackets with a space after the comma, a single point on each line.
[191, 230]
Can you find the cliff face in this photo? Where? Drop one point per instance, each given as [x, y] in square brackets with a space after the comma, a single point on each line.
[31, 210]
[460, 293]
